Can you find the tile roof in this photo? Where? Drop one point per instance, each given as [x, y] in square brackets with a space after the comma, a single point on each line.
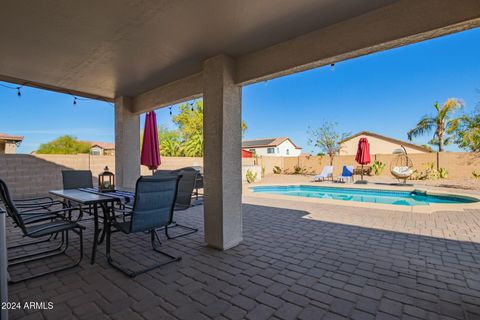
[393, 140]
[266, 142]
[103, 145]
[4, 136]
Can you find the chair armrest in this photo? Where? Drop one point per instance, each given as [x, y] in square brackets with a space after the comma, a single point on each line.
[33, 199]
[56, 212]
[38, 204]
[54, 225]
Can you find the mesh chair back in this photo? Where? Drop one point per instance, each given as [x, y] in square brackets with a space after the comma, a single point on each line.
[10, 208]
[186, 186]
[154, 202]
[74, 179]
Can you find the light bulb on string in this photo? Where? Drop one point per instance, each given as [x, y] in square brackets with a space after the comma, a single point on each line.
[19, 93]
[170, 110]
[74, 100]
[332, 66]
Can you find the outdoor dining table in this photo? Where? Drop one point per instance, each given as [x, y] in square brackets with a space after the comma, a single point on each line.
[96, 200]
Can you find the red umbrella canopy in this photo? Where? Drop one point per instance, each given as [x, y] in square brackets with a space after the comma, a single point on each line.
[150, 156]
[363, 152]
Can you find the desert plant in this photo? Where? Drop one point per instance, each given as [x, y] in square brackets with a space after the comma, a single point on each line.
[251, 177]
[431, 172]
[277, 170]
[442, 173]
[476, 174]
[378, 167]
[298, 170]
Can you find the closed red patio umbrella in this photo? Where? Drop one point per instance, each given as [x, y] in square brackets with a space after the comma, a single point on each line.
[363, 154]
[150, 155]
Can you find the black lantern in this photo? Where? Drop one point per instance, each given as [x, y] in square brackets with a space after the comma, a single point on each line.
[106, 181]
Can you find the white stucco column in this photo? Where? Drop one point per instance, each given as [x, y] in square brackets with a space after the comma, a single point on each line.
[222, 118]
[127, 143]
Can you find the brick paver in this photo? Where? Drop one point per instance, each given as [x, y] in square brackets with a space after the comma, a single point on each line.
[297, 260]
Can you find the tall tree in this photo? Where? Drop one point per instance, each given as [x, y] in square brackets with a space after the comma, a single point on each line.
[189, 136]
[327, 139]
[441, 122]
[64, 145]
[468, 132]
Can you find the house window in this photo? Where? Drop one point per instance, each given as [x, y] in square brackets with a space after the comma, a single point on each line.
[270, 150]
[288, 151]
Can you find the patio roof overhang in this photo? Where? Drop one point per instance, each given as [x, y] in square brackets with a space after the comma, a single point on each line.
[146, 54]
[127, 48]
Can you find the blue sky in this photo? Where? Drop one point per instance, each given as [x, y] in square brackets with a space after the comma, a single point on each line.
[386, 92]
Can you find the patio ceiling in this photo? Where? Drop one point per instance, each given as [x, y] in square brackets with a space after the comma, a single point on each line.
[154, 51]
[125, 47]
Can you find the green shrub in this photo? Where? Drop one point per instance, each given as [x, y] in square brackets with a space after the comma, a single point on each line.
[251, 177]
[378, 167]
[277, 170]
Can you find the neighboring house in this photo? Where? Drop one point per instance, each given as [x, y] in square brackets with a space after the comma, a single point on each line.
[276, 147]
[102, 148]
[9, 144]
[378, 144]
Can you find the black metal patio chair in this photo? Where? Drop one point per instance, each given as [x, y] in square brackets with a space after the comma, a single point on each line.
[186, 185]
[76, 179]
[152, 209]
[54, 223]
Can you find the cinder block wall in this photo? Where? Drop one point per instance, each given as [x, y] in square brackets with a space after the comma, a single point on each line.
[34, 175]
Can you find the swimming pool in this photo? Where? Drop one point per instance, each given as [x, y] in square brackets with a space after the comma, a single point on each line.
[399, 198]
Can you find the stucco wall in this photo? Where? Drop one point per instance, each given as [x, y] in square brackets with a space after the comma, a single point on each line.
[377, 146]
[8, 147]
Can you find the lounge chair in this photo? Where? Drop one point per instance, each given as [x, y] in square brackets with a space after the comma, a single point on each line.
[152, 209]
[347, 174]
[54, 223]
[327, 173]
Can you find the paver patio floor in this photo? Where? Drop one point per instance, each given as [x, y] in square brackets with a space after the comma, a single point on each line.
[297, 260]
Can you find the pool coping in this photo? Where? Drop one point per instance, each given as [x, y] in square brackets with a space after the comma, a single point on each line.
[431, 208]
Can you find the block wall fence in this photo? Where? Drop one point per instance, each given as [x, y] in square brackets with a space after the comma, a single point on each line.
[459, 165]
[34, 175]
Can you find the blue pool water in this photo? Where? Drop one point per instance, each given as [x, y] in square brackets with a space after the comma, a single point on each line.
[400, 198]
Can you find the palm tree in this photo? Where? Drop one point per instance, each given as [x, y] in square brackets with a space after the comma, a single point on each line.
[441, 122]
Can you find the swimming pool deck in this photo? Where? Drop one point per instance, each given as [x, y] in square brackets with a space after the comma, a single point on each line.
[298, 260]
[283, 180]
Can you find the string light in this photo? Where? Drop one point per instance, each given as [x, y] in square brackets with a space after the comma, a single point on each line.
[332, 66]
[191, 106]
[170, 110]
[75, 98]
[19, 93]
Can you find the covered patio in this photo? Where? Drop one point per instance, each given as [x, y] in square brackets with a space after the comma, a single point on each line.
[246, 262]
[297, 261]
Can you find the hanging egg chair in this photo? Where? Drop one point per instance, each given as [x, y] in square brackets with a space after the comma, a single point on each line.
[402, 166]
